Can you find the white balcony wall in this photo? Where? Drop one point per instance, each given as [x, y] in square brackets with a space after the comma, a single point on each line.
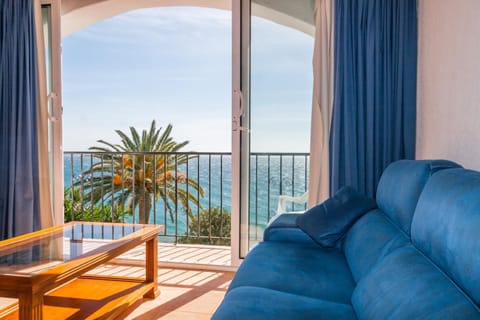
[448, 118]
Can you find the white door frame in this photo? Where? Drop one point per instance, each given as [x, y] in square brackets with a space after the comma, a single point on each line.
[240, 129]
[55, 96]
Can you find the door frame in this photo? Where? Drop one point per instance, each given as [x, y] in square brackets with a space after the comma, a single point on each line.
[240, 129]
[55, 97]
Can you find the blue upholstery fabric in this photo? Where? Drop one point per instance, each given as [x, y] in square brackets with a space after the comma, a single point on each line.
[328, 222]
[284, 220]
[284, 228]
[259, 303]
[381, 271]
[300, 269]
[400, 187]
[446, 226]
[369, 240]
[376, 234]
[293, 234]
[406, 285]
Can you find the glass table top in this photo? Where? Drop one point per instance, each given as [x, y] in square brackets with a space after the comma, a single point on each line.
[31, 255]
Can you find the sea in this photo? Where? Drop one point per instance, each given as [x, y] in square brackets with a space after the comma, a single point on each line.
[270, 176]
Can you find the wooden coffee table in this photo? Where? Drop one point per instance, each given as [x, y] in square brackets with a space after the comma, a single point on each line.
[46, 270]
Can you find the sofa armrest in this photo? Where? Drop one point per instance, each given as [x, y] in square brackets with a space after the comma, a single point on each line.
[283, 228]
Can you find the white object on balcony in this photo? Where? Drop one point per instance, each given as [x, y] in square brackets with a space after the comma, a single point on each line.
[283, 199]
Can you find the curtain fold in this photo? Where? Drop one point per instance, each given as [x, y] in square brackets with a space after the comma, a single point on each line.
[322, 102]
[374, 110]
[19, 185]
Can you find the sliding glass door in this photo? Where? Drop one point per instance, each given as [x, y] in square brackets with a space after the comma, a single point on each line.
[272, 92]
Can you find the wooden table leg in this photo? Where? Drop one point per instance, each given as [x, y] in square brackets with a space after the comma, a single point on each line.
[30, 306]
[151, 266]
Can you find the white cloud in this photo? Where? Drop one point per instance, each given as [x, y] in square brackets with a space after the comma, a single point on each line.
[169, 16]
[157, 25]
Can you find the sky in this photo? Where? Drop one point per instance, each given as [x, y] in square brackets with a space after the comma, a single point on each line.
[173, 65]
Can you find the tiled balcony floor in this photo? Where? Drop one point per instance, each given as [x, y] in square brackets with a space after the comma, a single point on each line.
[184, 294]
[188, 256]
[194, 254]
[192, 279]
[187, 293]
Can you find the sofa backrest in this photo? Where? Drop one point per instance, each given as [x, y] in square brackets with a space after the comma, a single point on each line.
[400, 187]
[437, 275]
[381, 231]
[446, 227]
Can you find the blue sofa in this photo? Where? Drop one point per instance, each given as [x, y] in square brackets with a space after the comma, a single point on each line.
[417, 256]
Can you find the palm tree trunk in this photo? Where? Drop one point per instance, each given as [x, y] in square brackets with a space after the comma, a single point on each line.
[144, 207]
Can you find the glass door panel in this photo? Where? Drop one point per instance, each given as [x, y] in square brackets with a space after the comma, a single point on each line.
[280, 98]
[47, 34]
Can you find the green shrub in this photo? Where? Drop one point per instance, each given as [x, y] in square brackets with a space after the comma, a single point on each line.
[208, 227]
[75, 211]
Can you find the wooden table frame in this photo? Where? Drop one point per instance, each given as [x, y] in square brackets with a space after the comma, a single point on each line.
[31, 288]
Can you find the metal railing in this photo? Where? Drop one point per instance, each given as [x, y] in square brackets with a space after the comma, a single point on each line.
[188, 192]
[271, 175]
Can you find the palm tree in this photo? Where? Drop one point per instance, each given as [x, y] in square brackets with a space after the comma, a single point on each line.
[139, 171]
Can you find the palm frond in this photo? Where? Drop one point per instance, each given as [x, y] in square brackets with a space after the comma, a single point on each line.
[127, 142]
[148, 140]
[163, 138]
[135, 138]
[179, 146]
[103, 149]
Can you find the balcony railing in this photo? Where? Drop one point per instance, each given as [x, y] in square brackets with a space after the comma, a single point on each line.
[189, 193]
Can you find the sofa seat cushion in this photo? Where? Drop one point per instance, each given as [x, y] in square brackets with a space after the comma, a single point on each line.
[311, 271]
[264, 304]
[406, 285]
[284, 228]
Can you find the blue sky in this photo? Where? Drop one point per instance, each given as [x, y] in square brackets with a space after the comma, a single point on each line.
[174, 65]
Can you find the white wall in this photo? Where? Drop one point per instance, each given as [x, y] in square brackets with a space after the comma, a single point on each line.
[78, 14]
[448, 118]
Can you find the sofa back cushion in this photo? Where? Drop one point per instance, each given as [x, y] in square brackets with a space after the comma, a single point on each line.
[407, 285]
[371, 238]
[446, 227]
[401, 185]
[381, 231]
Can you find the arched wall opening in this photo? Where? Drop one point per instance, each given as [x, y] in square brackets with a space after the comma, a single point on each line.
[297, 15]
[78, 14]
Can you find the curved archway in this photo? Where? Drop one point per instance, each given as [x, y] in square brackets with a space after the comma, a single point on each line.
[78, 14]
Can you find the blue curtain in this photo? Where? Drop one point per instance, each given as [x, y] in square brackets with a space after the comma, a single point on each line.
[19, 211]
[374, 108]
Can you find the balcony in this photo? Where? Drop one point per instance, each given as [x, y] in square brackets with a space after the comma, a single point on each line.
[184, 294]
[189, 193]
